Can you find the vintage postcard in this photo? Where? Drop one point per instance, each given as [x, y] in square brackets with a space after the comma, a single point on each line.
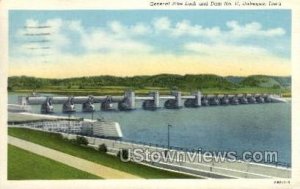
[149, 94]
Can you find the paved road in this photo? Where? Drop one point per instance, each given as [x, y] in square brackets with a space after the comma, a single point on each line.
[78, 163]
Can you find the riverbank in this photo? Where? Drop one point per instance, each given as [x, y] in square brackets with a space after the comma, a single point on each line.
[114, 90]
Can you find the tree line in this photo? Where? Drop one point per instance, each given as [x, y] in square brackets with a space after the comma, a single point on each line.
[190, 82]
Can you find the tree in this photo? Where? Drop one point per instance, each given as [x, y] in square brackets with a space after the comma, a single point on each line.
[102, 148]
[81, 140]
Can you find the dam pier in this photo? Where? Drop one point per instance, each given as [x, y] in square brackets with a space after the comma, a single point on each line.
[153, 101]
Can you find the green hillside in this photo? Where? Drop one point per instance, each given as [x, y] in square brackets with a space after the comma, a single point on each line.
[163, 80]
[101, 85]
[235, 79]
[266, 81]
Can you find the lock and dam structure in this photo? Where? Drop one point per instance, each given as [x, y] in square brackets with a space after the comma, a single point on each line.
[153, 101]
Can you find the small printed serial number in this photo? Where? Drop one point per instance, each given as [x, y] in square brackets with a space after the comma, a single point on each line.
[282, 182]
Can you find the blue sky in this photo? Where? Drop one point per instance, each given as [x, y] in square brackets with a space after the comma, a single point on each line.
[174, 34]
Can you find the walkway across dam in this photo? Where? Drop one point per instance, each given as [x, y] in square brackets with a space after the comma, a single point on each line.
[151, 102]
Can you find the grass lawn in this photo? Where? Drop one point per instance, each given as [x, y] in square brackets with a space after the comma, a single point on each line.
[55, 141]
[24, 165]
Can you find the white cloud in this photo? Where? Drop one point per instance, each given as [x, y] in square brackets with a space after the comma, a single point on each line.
[186, 28]
[140, 29]
[75, 25]
[99, 40]
[31, 23]
[212, 41]
[131, 30]
[235, 30]
[253, 29]
[162, 24]
[220, 52]
[116, 27]
[116, 37]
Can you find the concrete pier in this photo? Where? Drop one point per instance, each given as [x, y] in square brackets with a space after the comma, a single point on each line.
[193, 103]
[224, 100]
[152, 104]
[128, 103]
[243, 99]
[88, 106]
[107, 104]
[260, 99]
[234, 100]
[47, 106]
[69, 106]
[205, 101]
[214, 101]
[174, 103]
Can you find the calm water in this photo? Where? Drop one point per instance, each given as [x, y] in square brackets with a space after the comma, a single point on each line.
[260, 127]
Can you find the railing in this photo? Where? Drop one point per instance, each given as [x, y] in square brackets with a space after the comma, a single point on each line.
[184, 149]
[235, 169]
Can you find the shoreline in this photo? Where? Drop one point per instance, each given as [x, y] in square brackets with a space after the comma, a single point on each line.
[145, 91]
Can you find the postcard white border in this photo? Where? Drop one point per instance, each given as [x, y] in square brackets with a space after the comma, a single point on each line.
[132, 184]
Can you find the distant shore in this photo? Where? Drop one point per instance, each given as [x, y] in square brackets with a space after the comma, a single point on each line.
[164, 83]
[145, 91]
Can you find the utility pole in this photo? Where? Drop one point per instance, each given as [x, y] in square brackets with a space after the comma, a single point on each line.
[169, 125]
[69, 115]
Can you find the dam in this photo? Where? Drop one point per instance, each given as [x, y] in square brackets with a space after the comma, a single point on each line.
[153, 101]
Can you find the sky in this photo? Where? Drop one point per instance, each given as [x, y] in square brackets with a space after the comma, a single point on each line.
[74, 43]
